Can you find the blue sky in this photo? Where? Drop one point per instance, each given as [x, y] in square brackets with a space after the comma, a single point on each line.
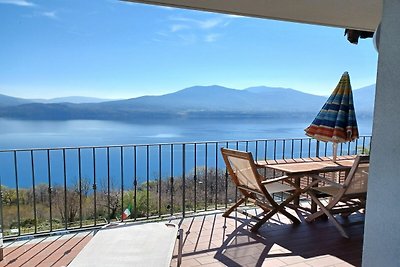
[113, 49]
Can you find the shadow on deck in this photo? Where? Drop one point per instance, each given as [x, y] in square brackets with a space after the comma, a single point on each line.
[212, 240]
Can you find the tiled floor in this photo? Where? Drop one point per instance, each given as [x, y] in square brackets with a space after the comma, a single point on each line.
[211, 240]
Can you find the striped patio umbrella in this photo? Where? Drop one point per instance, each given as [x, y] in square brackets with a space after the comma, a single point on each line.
[336, 122]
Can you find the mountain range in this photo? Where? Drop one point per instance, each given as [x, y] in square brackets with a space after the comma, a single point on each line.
[196, 101]
[72, 99]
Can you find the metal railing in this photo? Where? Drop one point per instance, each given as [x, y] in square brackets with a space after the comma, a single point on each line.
[46, 190]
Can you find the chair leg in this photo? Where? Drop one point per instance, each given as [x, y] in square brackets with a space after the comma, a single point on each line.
[281, 207]
[263, 220]
[314, 216]
[335, 222]
[229, 211]
[317, 214]
[278, 208]
[325, 211]
[290, 216]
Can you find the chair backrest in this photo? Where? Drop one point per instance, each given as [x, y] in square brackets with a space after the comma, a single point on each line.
[242, 169]
[356, 181]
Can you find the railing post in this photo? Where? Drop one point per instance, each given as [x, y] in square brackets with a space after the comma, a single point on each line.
[183, 180]
[317, 149]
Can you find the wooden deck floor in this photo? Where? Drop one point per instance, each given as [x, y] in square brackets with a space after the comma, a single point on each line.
[211, 240]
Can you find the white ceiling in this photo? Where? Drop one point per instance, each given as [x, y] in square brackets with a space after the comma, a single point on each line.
[354, 14]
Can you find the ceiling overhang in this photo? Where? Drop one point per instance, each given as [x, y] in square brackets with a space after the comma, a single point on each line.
[353, 14]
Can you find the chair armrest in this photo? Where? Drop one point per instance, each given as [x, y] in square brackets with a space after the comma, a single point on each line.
[274, 180]
[260, 166]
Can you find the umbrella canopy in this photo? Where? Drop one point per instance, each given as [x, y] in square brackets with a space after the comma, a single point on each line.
[336, 122]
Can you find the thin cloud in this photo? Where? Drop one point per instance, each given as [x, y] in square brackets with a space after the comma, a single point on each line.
[209, 23]
[188, 39]
[18, 3]
[125, 2]
[161, 33]
[178, 27]
[234, 16]
[46, 14]
[202, 24]
[50, 14]
[164, 7]
[190, 30]
[210, 38]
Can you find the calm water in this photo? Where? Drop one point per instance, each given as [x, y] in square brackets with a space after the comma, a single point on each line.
[49, 134]
[38, 134]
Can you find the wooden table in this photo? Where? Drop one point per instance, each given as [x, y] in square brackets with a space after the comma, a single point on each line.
[298, 168]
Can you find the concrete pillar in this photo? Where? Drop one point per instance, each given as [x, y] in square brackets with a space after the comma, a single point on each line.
[382, 222]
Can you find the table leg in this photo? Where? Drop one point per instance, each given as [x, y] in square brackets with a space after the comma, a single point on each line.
[296, 200]
[313, 203]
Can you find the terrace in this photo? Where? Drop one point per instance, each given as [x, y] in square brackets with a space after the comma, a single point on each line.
[363, 15]
[211, 240]
[55, 199]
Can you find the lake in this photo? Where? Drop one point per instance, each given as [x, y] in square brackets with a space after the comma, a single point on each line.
[39, 134]
[137, 163]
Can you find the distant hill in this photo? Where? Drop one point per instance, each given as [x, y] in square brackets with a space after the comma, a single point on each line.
[192, 99]
[196, 101]
[286, 99]
[6, 101]
[364, 99]
[15, 101]
[217, 99]
[72, 99]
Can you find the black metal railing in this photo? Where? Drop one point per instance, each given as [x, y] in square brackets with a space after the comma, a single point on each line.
[69, 188]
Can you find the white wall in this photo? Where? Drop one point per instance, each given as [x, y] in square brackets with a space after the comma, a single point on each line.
[382, 223]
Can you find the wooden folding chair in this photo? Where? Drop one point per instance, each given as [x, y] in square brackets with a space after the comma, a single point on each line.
[345, 198]
[254, 188]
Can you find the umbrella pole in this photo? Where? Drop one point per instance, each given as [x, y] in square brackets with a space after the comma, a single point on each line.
[334, 151]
